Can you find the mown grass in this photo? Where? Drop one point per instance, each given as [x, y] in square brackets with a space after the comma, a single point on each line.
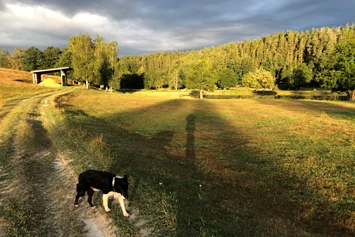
[222, 167]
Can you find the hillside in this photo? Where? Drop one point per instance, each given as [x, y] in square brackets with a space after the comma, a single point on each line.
[294, 60]
[17, 84]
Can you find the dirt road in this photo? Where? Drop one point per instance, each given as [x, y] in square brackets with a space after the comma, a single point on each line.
[37, 188]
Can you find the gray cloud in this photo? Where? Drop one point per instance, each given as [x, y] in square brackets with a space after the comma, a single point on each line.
[141, 26]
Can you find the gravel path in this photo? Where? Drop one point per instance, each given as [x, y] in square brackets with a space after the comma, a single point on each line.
[35, 181]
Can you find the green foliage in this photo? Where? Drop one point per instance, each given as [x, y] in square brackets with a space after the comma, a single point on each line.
[33, 59]
[245, 66]
[284, 55]
[294, 59]
[338, 72]
[285, 80]
[16, 58]
[51, 56]
[65, 59]
[154, 80]
[269, 65]
[93, 61]
[105, 56]
[226, 79]
[301, 76]
[201, 76]
[175, 75]
[4, 59]
[260, 79]
[82, 51]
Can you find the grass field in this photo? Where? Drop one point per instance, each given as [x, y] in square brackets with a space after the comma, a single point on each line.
[223, 167]
[233, 167]
[18, 85]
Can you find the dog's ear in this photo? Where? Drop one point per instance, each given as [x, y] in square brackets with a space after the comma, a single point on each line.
[125, 176]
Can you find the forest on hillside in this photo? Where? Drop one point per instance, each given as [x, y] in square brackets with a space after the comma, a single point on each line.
[322, 57]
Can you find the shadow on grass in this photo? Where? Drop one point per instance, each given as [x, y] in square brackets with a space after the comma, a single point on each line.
[208, 181]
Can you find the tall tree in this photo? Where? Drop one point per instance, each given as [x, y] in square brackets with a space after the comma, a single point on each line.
[338, 73]
[81, 47]
[175, 75]
[112, 52]
[105, 55]
[201, 76]
[100, 61]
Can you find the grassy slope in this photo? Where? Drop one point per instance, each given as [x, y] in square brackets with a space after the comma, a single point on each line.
[224, 167]
[16, 84]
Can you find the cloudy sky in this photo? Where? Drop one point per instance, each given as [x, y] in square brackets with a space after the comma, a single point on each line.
[145, 26]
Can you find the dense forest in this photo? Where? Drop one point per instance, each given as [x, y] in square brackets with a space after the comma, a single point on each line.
[322, 57]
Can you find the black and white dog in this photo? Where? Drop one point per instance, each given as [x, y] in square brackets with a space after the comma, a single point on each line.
[108, 183]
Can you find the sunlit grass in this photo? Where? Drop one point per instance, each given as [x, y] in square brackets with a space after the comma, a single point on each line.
[17, 85]
[235, 167]
[245, 167]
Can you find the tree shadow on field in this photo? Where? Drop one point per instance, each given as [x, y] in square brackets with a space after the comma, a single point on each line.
[218, 180]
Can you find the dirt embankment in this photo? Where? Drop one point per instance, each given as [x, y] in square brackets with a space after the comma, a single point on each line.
[37, 188]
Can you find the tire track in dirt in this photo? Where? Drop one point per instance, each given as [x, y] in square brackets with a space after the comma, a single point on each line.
[36, 184]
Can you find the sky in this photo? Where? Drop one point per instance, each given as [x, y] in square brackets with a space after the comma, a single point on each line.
[147, 26]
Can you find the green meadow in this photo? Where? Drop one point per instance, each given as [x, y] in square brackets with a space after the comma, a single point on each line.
[226, 167]
[213, 167]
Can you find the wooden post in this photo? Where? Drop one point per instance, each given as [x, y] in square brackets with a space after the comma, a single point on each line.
[63, 76]
[36, 77]
[39, 78]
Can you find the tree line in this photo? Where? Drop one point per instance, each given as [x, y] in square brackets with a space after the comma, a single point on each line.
[286, 60]
[322, 57]
[94, 61]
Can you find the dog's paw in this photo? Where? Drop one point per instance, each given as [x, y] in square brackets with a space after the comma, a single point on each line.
[126, 214]
[107, 210]
[76, 205]
[93, 208]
